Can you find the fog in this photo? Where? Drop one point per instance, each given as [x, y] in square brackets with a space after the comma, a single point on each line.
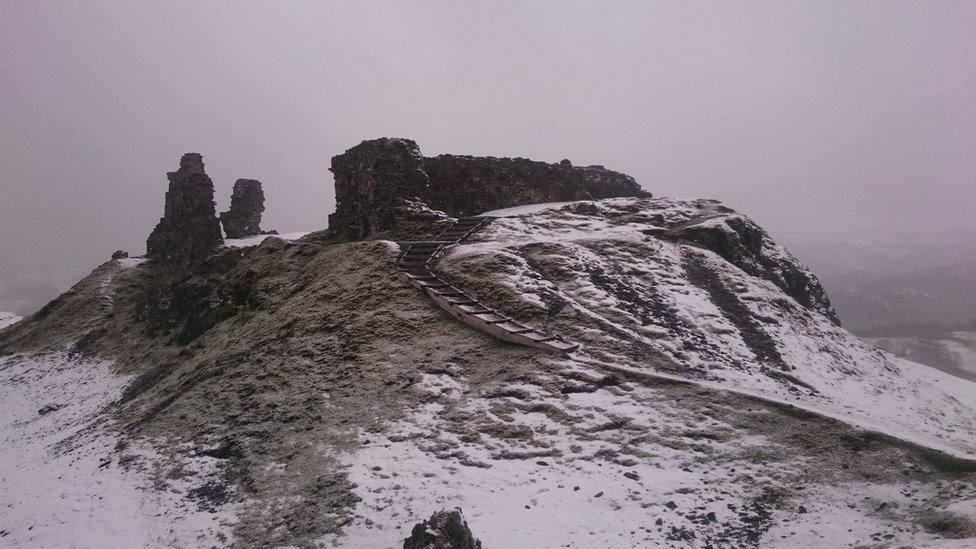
[810, 117]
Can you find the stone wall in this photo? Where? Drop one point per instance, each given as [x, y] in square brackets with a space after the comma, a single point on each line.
[373, 178]
[469, 185]
[370, 180]
[188, 231]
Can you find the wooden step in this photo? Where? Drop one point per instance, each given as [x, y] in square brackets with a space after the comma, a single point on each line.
[415, 263]
[452, 292]
[498, 321]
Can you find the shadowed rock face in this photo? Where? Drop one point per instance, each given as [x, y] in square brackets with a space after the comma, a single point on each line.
[189, 230]
[374, 177]
[246, 206]
[443, 530]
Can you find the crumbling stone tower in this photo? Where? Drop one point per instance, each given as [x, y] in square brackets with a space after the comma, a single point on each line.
[246, 206]
[188, 231]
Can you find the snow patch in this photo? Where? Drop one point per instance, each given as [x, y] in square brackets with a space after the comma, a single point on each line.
[522, 210]
[6, 319]
[60, 478]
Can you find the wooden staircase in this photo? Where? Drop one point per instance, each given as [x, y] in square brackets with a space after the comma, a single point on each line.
[416, 263]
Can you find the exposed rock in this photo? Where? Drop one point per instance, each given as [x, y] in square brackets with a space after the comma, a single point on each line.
[187, 306]
[120, 254]
[747, 246]
[443, 530]
[246, 206]
[189, 230]
[374, 178]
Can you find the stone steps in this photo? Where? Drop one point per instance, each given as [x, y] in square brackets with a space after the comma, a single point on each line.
[415, 265]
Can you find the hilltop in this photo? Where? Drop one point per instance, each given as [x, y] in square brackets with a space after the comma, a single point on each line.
[297, 391]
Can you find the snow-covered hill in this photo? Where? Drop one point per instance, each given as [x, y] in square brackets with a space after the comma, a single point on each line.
[299, 393]
[701, 317]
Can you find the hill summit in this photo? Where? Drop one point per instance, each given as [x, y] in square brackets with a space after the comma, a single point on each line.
[363, 385]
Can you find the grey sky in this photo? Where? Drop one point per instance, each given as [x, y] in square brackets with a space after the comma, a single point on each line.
[808, 116]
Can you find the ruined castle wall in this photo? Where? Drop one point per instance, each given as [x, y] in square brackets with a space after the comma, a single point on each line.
[373, 179]
[468, 185]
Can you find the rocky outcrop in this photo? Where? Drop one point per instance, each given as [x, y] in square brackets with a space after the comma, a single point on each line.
[188, 231]
[743, 243]
[246, 206]
[443, 530]
[374, 178]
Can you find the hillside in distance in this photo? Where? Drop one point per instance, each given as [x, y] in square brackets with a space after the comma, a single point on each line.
[910, 294]
[895, 284]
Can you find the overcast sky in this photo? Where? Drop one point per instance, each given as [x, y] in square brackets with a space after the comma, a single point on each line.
[811, 116]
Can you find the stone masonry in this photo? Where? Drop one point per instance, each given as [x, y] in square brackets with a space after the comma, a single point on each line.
[188, 231]
[374, 178]
[246, 206]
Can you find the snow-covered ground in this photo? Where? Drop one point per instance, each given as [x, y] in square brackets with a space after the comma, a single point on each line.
[556, 491]
[954, 352]
[538, 450]
[618, 467]
[6, 319]
[828, 370]
[522, 210]
[61, 480]
[625, 466]
[255, 240]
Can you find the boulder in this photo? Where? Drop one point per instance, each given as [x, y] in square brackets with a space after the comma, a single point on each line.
[188, 231]
[120, 254]
[246, 206]
[443, 530]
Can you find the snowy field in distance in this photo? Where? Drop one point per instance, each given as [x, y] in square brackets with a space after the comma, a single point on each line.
[255, 240]
[6, 319]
